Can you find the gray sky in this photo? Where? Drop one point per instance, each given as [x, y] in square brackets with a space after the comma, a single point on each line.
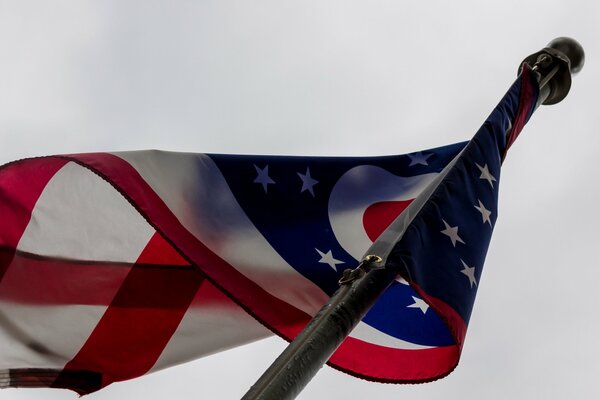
[339, 78]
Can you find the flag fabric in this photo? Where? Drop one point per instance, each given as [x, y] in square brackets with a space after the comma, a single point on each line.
[114, 265]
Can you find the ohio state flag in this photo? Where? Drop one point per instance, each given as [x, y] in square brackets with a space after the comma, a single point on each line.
[114, 265]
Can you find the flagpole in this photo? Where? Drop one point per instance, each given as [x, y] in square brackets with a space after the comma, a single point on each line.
[360, 288]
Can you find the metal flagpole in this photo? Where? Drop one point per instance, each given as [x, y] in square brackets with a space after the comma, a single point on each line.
[360, 288]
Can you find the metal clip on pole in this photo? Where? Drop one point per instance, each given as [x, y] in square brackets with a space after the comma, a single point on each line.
[302, 359]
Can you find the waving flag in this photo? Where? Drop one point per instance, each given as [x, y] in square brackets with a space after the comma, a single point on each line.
[113, 265]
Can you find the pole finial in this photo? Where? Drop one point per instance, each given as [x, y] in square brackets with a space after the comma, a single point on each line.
[556, 63]
[572, 51]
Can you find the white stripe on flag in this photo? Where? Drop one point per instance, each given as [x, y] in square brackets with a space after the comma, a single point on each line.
[80, 216]
[368, 334]
[29, 329]
[207, 330]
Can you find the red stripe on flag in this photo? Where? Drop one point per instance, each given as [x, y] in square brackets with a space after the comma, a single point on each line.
[21, 184]
[158, 251]
[385, 364]
[141, 318]
[50, 281]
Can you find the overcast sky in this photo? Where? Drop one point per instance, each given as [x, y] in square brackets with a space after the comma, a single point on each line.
[339, 78]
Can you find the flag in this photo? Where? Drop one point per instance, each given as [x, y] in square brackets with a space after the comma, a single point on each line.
[114, 265]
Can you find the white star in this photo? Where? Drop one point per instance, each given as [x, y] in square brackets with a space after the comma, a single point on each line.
[307, 182]
[327, 258]
[419, 303]
[452, 233]
[469, 273]
[485, 213]
[401, 280]
[418, 158]
[485, 174]
[262, 177]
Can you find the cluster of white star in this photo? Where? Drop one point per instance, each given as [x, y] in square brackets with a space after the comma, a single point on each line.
[326, 257]
[452, 231]
[308, 183]
[263, 178]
